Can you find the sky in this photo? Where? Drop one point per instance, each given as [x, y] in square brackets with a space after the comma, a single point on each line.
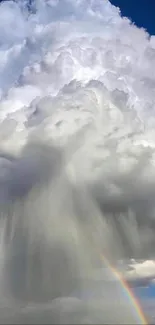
[100, 58]
[142, 13]
[78, 76]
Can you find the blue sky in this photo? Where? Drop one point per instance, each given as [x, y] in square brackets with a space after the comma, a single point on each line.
[141, 12]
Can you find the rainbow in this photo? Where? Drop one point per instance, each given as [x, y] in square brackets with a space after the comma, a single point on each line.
[128, 293]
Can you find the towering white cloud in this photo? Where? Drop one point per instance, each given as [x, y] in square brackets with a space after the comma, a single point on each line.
[79, 75]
